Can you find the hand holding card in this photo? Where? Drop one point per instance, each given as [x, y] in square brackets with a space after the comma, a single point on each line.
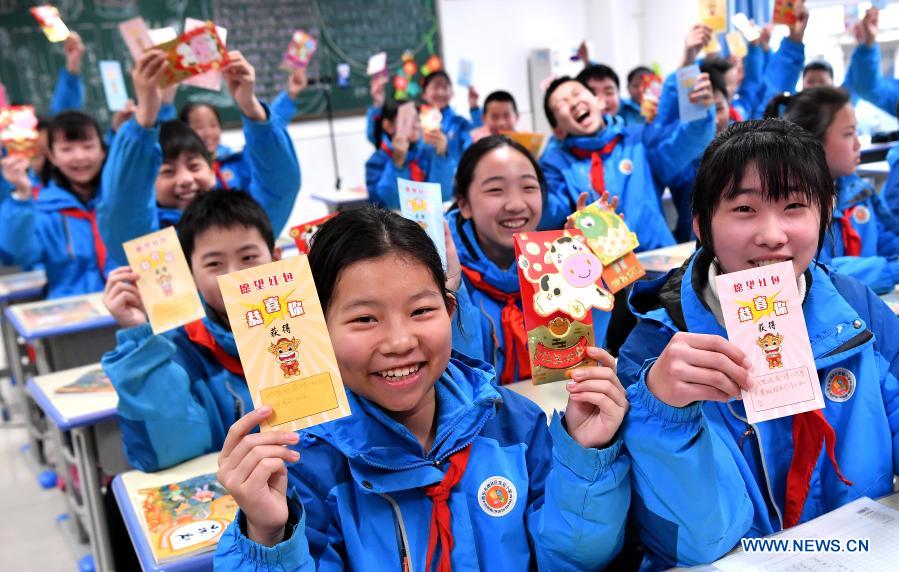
[763, 315]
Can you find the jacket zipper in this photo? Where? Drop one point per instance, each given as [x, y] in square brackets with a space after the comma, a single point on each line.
[753, 432]
[402, 540]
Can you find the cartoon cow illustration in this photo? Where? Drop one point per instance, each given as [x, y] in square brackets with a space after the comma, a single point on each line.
[573, 289]
[770, 344]
[164, 281]
[286, 352]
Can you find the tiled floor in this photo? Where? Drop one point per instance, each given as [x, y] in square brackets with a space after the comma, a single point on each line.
[31, 538]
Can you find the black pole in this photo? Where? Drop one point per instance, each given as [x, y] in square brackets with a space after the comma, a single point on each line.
[330, 113]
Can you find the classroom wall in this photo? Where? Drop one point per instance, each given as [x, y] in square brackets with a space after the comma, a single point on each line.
[497, 36]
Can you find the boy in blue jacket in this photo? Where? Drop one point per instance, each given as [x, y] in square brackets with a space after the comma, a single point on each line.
[436, 468]
[420, 156]
[596, 153]
[704, 477]
[180, 391]
[153, 173]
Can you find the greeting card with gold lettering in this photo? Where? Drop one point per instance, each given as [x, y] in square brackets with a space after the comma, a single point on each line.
[559, 277]
[763, 316]
[283, 342]
[166, 285]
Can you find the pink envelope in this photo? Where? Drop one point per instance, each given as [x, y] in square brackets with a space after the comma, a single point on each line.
[763, 316]
[211, 80]
[136, 36]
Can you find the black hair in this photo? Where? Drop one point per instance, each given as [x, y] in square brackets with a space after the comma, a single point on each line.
[191, 106]
[71, 126]
[222, 210]
[500, 97]
[716, 78]
[177, 138]
[599, 72]
[812, 109]
[720, 65]
[553, 86]
[639, 70]
[788, 160]
[434, 75]
[43, 123]
[818, 65]
[363, 234]
[388, 113]
[476, 151]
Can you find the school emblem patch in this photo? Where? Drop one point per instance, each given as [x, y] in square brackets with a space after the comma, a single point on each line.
[626, 166]
[497, 496]
[228, 175]
[839, 385]
[861, 214]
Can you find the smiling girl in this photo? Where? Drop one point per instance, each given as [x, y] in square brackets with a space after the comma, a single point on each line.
[437, 466]
[59, 229]
[500, 191]
[704, 475]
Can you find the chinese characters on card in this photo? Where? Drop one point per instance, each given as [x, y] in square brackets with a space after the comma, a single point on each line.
[763, 316]
[284, 345]
[166, 285]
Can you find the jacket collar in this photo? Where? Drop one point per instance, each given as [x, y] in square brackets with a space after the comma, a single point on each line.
[54, 198]
[384, 453]
[614, 126]
[472, 256]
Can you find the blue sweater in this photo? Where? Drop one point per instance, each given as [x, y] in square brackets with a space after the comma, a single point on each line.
[356, 498]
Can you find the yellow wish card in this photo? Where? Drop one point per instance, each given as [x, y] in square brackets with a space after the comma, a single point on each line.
[283, 342]
[166, 285]
[713, 13]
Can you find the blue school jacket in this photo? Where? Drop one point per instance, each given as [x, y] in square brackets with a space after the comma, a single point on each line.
[627, 173]
[176, 401]
[877, 265]
[381, 174]
[703, 477]
[779, 74]
[890, 190]
[36, 232]
[868, 82]
[68, 93]
[457, 128]
[629, 110]
[479, 332]
[129, 209]
[356, 498]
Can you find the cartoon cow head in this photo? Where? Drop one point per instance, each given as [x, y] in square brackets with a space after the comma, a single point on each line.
[770, 343]
[557, 295]
[285, 350]
[574, 261]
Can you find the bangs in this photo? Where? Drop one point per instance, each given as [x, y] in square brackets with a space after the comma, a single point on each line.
[177, 139]
[73, 126]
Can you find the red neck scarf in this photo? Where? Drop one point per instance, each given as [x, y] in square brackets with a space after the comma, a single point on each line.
[515, 335]
[414, 167]
[198, 334]
[810, 432]
[99, 247]
[441, 532]
[219, 176]
[734, 115]
[597, 180]
[852, 241]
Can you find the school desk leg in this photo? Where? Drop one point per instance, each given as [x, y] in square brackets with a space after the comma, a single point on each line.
[65, 462]
[89, 469]
[13, 358]
[40, 357]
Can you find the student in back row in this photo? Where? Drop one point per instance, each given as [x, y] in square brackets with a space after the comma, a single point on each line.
[155, 172]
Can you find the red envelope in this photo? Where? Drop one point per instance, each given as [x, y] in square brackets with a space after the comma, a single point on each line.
[560, 285]
[302, 233]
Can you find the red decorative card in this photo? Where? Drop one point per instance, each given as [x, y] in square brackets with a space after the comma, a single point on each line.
[560, 285]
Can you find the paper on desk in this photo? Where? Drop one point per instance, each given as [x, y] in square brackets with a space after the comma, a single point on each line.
[763, 315]
[861, 519]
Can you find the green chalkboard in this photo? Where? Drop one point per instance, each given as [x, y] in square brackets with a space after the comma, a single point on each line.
[349, 31]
